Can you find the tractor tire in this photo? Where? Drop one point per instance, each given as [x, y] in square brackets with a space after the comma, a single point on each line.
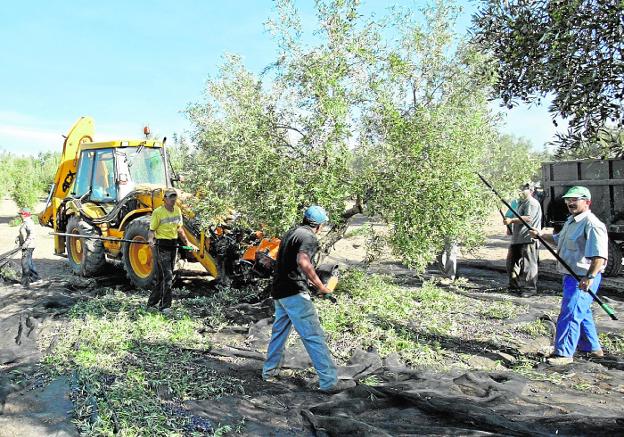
[614, 263]
[139, 260]
[85, 256]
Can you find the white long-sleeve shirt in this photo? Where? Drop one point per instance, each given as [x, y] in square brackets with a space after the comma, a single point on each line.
[27, 233]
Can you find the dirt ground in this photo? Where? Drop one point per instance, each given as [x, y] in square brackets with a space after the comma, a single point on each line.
[497, 402]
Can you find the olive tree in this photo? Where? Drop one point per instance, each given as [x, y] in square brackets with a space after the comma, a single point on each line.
[432, 132]
[269, 148]
[511, 156]
[399, 125]
[571, 50]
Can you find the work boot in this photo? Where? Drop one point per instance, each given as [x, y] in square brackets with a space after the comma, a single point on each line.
[270, 379]
[527, 292]
[559, 361]
[166, 311]
[342, 384]
[596, 354]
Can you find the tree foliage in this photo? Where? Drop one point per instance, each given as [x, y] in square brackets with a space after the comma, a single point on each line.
[27, 179]
[268, 149]
[607, 143]
[570, 49]
[512, 156]
[392, 111]
[432, 130]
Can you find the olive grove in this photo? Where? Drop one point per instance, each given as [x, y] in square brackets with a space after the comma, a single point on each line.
[390, 114]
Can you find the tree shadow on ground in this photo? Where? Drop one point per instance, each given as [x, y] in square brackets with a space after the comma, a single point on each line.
[7, 219]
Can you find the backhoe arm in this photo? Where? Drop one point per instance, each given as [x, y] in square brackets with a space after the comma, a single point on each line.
[81, 132]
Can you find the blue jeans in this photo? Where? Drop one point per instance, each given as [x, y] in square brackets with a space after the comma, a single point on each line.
[29, 273]
[298, 311]
[575, 326]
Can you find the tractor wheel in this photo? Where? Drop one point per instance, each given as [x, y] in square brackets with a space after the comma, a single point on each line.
[614, 263]
[140, 259]
[86, 256]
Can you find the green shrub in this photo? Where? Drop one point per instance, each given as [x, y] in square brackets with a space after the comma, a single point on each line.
[27, 179]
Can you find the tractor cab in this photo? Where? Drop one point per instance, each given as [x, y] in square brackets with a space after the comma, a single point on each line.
[107, 172]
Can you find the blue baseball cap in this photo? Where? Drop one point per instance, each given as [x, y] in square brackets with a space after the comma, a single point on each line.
[315, 215]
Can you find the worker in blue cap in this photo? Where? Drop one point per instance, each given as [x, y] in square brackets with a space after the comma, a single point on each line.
[293, 306]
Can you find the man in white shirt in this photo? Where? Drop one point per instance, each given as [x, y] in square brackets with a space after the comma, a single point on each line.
[26, 241]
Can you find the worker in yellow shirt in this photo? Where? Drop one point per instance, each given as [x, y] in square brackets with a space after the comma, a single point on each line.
[165, 229]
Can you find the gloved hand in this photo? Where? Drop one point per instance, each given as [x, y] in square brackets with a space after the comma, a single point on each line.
[330, 297]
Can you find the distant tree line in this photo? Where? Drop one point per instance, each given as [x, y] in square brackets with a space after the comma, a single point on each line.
[26, 179]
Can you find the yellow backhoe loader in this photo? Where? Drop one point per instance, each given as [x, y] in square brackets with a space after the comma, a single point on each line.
[100, 207]
[104, 193]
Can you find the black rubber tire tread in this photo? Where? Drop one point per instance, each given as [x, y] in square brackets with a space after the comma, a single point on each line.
[139, 227]
[93, 259]
[614, 263]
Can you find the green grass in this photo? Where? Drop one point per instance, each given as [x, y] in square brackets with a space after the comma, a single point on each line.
[501, 310]
[372, 313]
[131, 365]
[525, 367]
[361, 231]
[10, 271]
[371, 380]
[417, 323]
[613, 343]
[214, 308]
[534, 329]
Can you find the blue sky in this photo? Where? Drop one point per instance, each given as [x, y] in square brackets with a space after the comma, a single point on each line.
[131, 63]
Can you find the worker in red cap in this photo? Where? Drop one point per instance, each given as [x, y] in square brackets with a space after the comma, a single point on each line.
[26, 241]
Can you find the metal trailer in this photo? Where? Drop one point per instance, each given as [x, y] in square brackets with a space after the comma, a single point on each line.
[605, 180]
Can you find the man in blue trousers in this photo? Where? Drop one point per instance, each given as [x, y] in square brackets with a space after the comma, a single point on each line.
[583, 245]
[293, 307]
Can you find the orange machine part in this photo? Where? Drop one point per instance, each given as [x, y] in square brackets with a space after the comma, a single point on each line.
[270, 246]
